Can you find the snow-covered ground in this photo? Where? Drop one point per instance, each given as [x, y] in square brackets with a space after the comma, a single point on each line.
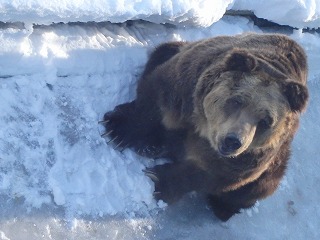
[60, 180]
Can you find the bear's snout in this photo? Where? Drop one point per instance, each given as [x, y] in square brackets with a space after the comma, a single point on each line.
[230, 144]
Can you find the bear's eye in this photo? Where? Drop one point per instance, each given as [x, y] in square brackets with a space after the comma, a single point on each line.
[265, 123]
[235, 102]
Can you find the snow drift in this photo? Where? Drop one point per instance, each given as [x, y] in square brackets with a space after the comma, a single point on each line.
[202, 13]
[295, 13]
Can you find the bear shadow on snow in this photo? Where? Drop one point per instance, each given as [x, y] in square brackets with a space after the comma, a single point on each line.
[224, 110]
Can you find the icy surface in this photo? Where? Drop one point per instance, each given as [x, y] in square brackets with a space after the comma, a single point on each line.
[60, 180]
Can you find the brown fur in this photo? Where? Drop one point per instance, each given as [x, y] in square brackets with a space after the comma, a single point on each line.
[231, 105]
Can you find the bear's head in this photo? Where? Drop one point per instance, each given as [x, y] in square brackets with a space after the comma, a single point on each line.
[250, 106]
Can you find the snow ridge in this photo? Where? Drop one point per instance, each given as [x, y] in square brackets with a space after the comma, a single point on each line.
[295, 13]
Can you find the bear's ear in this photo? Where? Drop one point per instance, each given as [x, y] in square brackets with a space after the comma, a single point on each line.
[240, 60]
[297, 95]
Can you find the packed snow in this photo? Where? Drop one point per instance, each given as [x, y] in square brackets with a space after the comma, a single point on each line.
[60, 180]
[202, 13]
[295, 13]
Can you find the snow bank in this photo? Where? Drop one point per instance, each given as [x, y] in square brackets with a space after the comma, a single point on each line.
[295, 13]
[203, 12]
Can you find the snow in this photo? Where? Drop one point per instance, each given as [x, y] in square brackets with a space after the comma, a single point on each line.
[60, 180]
[203, 12]
[295, 13]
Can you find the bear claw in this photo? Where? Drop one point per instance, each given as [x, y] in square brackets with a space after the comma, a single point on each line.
[103, 121]
[106, 134]
[112, 140]
[157, 195]
[151, 175]
[119, 144]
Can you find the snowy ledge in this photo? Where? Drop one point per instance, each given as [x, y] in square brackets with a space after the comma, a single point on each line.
[295, 13]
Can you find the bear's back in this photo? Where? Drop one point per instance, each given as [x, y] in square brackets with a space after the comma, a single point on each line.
[276, 50]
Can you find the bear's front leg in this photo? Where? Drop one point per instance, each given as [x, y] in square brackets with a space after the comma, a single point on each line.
[118, 127]
[224, 209]
[128, 127]
[226, 204]
[173, 180]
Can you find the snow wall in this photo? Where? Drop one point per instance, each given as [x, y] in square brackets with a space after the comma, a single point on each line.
[295, 13]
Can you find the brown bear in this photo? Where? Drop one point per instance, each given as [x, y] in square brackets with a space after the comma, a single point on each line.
[224, 110]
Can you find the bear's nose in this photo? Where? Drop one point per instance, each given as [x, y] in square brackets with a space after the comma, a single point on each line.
[232, 142]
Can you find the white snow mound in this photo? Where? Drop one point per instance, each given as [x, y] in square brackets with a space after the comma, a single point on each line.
[295, 13]
[202, 13]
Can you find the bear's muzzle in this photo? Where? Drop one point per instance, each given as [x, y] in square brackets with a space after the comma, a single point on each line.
[230, 144]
